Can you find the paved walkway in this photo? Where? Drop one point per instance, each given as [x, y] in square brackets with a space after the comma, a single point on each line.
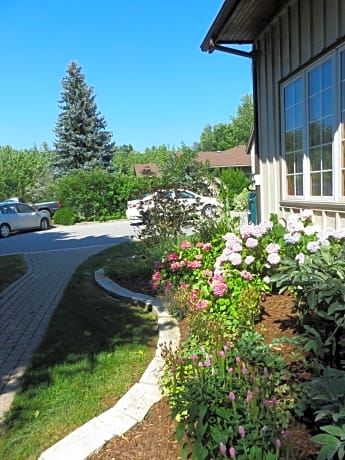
[25, 310]
[26, 307]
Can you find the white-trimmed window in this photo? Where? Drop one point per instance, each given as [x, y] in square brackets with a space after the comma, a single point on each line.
[313, 112]
[342, 133]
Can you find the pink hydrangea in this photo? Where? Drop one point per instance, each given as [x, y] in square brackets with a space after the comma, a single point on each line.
[207, 247]
[272, 248]
[194, 295]
[300, 258]
[185, 245]
[219, 289]
[235, 259]
[157, 276]
[251, 243]
[194, 264]
[249, 260]
[175, 265]
[172, 256]
[184, 285]
[218, 277]
[246, 275]
[201, 304]
[273, 258]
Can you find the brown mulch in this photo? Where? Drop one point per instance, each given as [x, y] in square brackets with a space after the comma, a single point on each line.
[153, 438]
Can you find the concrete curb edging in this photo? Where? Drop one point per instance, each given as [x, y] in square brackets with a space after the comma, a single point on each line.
[134, 405]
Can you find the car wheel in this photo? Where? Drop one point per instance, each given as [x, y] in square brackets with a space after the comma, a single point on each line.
[44, 224]
[208, 211]
[5, 230]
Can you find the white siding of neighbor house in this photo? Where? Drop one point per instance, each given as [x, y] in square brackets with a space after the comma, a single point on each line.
[300, 33]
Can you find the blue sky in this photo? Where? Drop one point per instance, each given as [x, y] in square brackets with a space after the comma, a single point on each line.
[152, 82]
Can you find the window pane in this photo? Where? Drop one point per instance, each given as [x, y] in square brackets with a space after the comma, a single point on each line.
[326, 74]
[299, 139]
[342, 178]
[326, 131]
[327, 183]
[290, 185]
[320, 96]
[315, 135]
[299, 162]
[289, 141]
[315, 159]
[289, 96]
[299, 184]
[327, 157]
[315, 108]
[289, 119]
[293, 122]
[314, 81]
[315, 183]
[299, 116]
[327, 103]
[290, 163]
[298, 91]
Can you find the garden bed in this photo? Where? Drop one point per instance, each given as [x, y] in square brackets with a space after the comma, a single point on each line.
[153, 438]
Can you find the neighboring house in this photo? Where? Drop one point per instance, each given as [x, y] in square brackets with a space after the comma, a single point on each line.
[298, 52]
[149, 170]
[236, 157]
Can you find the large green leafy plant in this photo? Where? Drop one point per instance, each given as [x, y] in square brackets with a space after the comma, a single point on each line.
[318, 281]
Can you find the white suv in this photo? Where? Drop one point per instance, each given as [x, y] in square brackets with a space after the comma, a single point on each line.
[206, 206]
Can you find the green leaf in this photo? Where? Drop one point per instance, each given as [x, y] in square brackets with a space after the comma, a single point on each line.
[179, 432]
[333, 429]
[330, 445]
[335, 306]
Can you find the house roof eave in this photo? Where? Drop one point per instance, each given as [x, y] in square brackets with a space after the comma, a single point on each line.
[240, 22]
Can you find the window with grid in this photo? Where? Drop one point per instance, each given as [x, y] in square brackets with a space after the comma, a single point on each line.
[294, 138]
[342, 133]
[309, 113]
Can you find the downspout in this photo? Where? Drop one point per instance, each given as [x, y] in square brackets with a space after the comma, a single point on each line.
[253, 56]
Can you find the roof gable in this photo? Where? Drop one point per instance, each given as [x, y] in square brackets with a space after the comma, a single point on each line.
[146, 169]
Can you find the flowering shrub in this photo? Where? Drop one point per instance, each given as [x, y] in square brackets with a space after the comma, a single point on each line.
[231, 401]
[219, 279]
[224, 406]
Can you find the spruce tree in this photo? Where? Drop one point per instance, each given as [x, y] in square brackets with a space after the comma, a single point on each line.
[81, 139]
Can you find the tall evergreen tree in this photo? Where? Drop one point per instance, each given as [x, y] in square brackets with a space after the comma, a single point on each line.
[81, 139]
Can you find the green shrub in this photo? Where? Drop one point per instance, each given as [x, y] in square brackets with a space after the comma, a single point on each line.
[228, 401]
[65, 216]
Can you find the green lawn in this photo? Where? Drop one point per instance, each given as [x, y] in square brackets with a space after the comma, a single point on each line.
[95, 348]
[11, 268]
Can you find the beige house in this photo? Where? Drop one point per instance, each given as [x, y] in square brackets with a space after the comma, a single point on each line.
[297, 48]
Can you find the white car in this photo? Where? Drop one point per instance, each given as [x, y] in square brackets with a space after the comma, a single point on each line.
[206, 205]
[16, 217]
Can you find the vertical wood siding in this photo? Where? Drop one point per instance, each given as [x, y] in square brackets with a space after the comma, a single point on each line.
[300, 33]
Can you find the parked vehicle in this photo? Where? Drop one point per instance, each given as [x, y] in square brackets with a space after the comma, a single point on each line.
[16, 217]
[49, 206]
[206, 206]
